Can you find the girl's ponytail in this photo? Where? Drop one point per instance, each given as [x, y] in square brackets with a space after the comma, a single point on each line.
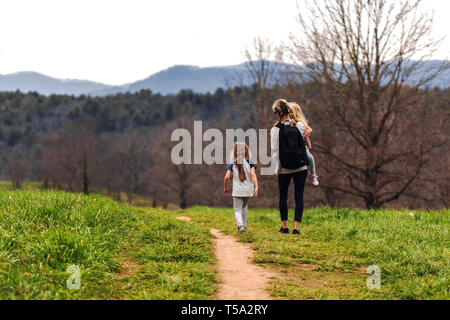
[241, 153]
[241, 171]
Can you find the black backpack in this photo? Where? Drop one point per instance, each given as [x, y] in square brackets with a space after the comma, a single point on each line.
[292, 148]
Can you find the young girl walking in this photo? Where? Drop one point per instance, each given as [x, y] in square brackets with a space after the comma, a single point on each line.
[299, 116]
[245, 183]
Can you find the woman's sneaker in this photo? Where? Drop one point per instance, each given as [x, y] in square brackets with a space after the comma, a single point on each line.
[315, 180]
[241, 229]
[295, 231]
[283, 230]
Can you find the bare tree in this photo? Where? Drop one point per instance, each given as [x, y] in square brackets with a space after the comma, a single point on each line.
[263, 73]
[368, 57]
[132, 152]
[259, 83]
[17, 166]
[71, 158]
[169, 181]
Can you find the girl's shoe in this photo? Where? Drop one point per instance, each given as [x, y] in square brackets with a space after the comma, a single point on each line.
[240, 229]
[295, 231]
[315, 181]
[283, 230]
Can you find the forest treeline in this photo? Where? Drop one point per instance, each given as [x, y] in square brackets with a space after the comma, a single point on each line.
[361, 70]
[121, 144]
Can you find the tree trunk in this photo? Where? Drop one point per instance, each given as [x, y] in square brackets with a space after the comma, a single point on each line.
[330, 196]
[17, 185]
[183, 199]
[45, 185]
[85, 176]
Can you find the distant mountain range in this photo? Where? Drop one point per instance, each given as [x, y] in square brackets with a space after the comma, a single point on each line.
[169, 81]
[176, 78]
[33, 81]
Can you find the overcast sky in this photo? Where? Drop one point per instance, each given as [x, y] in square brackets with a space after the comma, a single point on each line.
[120, 41]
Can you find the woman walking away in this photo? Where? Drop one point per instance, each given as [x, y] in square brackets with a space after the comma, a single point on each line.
[299, 116]
[289, 155]
[245, 183]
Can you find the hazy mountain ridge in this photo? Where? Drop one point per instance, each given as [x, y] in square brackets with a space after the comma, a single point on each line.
[33, 81]
[168, 81]
[176, 78]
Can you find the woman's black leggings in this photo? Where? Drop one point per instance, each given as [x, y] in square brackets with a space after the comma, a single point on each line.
[299, 186]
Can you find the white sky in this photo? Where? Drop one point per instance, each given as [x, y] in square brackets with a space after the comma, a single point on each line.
[120, 41]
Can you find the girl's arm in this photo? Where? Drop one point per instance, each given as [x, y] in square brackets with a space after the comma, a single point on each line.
[255, 181]
[308, 143]
[225, 181]
[308, 132]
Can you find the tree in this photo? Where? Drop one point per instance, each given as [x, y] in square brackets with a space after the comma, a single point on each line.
[169, 181]
[17, 166]
[132, 152]
[262, 73]
[368, 59]
[71, 157]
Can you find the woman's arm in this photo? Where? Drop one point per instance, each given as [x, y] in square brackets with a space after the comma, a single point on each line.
[225, 181]
[255, 181]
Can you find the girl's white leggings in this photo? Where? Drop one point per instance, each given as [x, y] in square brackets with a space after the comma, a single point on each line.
[312, 163]
[241, 210]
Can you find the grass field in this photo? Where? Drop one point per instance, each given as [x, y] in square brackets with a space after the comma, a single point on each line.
[329, 259]
[125, 252]
[8, 185]
[137, 200]
[122, 252]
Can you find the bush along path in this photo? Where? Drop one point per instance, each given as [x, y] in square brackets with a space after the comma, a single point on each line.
[239, 278]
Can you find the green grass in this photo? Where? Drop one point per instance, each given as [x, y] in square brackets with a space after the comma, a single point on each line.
[134, 253]
[329, 259]
[8, 185]
[137, 200]
[123, 252]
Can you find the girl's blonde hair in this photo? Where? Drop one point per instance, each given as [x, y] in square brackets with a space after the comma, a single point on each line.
[241, 153]
[280, 108]
[297, 113]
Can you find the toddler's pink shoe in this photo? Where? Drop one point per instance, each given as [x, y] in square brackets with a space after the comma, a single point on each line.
[315, 180]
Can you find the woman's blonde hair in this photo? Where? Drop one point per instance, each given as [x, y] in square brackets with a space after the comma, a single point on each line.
[297, 113]
[281, 107]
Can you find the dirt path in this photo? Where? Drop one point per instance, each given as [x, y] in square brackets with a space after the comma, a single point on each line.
[239, 278]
